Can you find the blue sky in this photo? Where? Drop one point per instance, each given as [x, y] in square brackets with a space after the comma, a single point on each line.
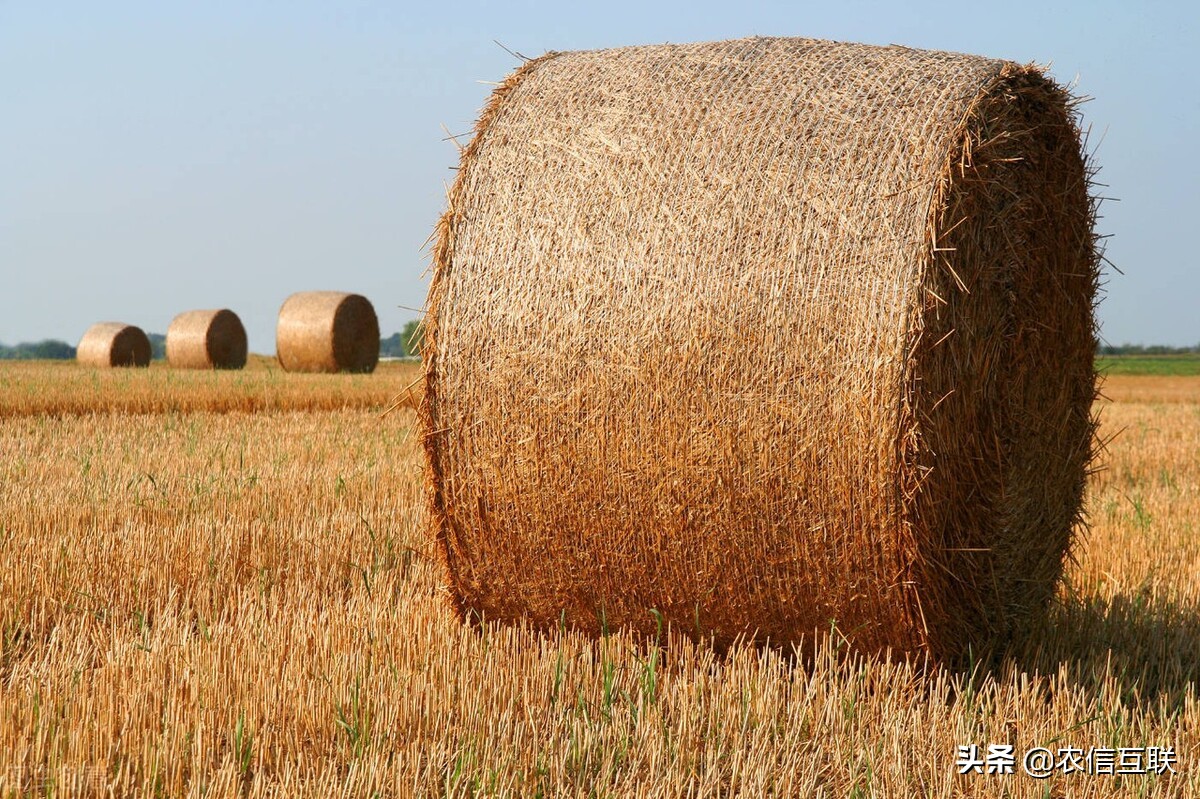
[156, 157]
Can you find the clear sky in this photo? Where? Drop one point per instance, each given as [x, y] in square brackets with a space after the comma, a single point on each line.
[156, 157]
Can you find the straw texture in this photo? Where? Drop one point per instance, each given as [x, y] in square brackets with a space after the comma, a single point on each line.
[107, 344]
[765, 336]
[206, 340]
[327, 331]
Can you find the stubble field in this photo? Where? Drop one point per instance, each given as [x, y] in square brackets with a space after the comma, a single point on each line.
[221, 585]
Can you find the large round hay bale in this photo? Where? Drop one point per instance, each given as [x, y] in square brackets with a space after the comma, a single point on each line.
[206, 340]
[765, 336]
[327, 331]
[108, 344]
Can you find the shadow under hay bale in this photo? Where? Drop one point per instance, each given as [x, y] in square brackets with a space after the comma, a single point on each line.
[206, 340]
[327, 331]
[108, 344]
[768, 336]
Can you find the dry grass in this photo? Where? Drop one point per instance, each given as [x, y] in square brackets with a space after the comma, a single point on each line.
[231, 604]
[1125, 389]
[65, 389]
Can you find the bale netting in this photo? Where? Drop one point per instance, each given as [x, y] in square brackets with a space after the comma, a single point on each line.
[107, 344]
[206, 340]
[765, 336]
[327, 331]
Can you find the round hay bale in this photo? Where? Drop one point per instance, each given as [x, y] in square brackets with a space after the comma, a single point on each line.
[327, 331]
[107, 344]
[206, 340]
[765, 336]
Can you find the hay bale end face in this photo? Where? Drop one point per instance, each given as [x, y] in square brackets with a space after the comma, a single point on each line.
[327, 331]
[765, 335]
[107, 344]
[206, 340]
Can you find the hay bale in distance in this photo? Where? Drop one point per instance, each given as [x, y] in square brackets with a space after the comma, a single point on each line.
[206, 340]
[327, 331]
[107, 344]
[765, 335]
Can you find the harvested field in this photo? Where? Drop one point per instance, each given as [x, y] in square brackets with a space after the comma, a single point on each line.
[247, 604]
[63, 389]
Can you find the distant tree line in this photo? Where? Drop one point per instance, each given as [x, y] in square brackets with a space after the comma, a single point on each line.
[49, 349]
[55, 350]
[404, 344]
[158, 346]
[398, 345]
[1146, 349]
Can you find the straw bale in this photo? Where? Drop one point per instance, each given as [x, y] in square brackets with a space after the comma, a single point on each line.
[107, 344]
[206, 340]
[765, 336]
[327, 331]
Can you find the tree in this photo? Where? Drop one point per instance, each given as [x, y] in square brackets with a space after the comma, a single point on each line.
[49, 349]
[158, 346]
[392, 346]
[412, 336]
